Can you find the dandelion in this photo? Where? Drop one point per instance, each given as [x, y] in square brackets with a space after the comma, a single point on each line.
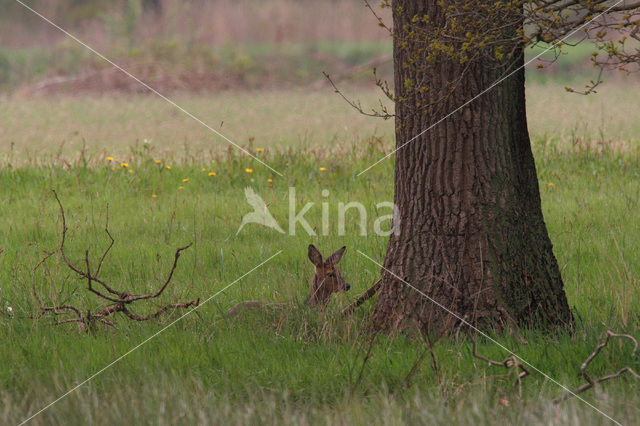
[322, 169]
[185, 180]
[168, 167]
[158, 161]
[260, 150]
[286, 164]
[212, 173]
[248, 170]
[551, 184]
[109, 158]
[125, 165]
[270, 180]
[154, 196]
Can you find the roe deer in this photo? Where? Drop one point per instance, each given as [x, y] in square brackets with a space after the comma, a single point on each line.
[326, 281]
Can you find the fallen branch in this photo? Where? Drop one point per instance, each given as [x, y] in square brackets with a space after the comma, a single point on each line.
[121, 301]
[583, 368]
[510, 362]
[366, 296]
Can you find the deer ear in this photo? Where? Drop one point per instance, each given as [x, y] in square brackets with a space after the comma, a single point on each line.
[314, 255]
[335, 257]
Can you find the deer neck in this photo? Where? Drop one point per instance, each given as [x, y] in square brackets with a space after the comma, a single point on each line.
[319, 294]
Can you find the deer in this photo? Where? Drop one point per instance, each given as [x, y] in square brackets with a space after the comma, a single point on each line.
[326, 281]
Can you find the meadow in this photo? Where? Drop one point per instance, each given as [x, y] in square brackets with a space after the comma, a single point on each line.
[61, 128]
[167, 182]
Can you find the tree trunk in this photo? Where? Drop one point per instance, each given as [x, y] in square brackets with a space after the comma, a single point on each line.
[471, 232]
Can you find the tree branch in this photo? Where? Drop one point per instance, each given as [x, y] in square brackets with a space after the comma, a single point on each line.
[591, 383]
[119, 303]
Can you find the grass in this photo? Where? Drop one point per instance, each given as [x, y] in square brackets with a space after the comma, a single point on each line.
[45, 129]
[291, 366]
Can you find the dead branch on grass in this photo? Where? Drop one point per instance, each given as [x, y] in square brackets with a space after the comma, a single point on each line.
[591, 383]
[121, 301]
[510, 362]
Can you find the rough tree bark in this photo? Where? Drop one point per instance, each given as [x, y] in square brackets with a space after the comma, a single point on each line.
[471, 232]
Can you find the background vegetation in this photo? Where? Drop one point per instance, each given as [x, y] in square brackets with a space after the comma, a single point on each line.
[252, 73]
[197, 45]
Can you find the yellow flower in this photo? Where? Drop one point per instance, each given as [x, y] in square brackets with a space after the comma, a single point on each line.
[248, 170]
[322, 169]
[269, 180]
[260, 150]
[185, 180]
[212, 173]
[286, 164]
[203, 170]
[551, 184]
[154, 196]
[109, 158]
[158, 161]
[124, 165]
[181, 187]
[130, 171]
[168, 167]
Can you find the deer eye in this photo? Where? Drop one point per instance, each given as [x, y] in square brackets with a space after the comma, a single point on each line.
[331, 275]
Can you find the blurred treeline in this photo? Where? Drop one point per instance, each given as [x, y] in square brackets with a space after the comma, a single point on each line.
[214, 21]
[201, 43]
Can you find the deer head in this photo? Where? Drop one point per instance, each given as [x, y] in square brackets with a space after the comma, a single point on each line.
[327, 278]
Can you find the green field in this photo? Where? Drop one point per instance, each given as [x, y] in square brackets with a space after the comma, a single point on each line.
[287, 365]
[53, 129]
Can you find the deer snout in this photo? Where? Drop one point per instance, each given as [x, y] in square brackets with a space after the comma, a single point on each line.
[347, 287]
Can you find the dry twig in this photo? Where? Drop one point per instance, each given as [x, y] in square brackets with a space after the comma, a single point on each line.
[121, 301]
[428, 350]
[591, 383]
[365, 359]
[383, 111]
[509, 362]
